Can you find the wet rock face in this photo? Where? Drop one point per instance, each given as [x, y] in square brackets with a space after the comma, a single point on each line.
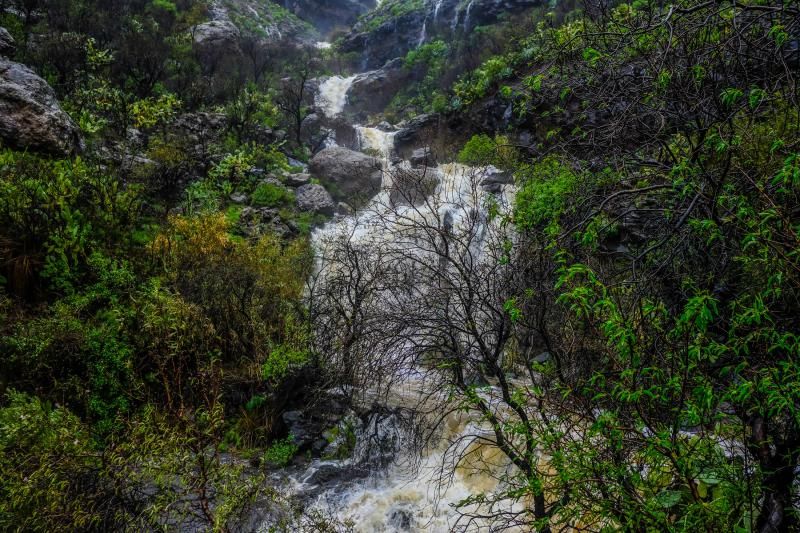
[7, 44]
[394, 38]
[414, 132]
[422, 157]
[413, 186]
[217, 38]
[382, 36]
[493, 179]
[328, 15]
[30, 116]
[315, 199]
[372, 91]
[350, 176]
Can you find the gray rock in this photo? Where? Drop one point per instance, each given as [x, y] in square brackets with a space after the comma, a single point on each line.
[493, 179]
[344, 209]
[298, 180]
[416, 132]
[422, 157]
[297, 164]
[239, 198]
[30, 115]
[315, 199]
[300, 429]
[257, 221]
[327, 15]
[8, 45]
[353, 177]
[412, 186]
[542, 358]
[216, 34]
[270, 179]
[372, 91]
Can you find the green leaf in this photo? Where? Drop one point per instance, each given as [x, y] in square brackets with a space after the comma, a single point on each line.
[669, 498]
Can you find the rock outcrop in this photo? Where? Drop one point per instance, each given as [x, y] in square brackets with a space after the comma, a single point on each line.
[315, 199]
[382, 35]
[328, 15]
[372, 91]
[415, 132]
[30, 116]
[350, 176]
[7, 44]
[217, 37]
[493, 179]
[257, 221]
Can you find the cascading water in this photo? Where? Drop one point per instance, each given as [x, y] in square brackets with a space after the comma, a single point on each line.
[466, 17]
[436, 10]
[332, 96]
[378, 141]
[400, 491]
[409, 494]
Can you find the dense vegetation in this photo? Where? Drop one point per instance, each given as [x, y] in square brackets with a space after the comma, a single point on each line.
[658, 215]
[145, 329]
[629, 337]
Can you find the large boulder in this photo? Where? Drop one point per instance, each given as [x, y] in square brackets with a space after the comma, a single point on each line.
[315, 199]
[30, 116]
[217, 35]
[7, 44]
[351, 176]
[415, 132]
[372, 91]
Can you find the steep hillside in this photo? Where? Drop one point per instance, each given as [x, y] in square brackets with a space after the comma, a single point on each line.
[411, 265]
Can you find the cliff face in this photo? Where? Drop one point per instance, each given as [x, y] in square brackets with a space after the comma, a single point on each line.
[268, 21]
[394, 28]
[328, 15]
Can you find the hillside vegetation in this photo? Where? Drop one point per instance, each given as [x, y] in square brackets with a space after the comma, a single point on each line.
[630, 340]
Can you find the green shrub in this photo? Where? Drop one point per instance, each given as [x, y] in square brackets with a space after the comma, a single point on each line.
[281, 452]
[47, 469]
[545, 194]
[54, 214]
[482, 150]
[272, 195]
[283, 360]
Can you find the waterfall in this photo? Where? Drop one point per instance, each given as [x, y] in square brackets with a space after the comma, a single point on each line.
[402, 491]
[408, 495]
[436, 10]
[423, 35]
[466, 17]
[378, 140]
[332, 95]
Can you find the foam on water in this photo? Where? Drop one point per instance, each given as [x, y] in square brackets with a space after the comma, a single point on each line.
[332, 95]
